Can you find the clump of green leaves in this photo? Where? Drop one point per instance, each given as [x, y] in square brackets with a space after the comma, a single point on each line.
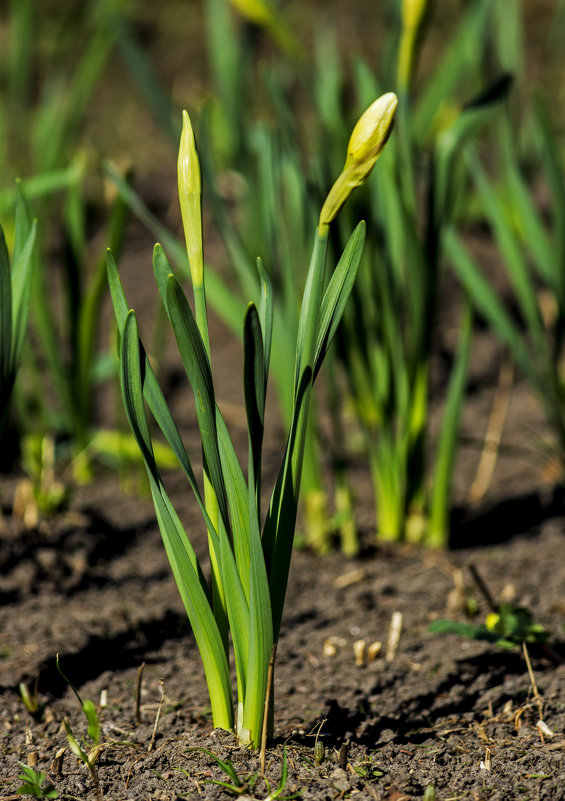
[508, 628]
[30, 699]
[235, 786]
[531, 243]
[87, 750]
[33, 783]
[249, 555]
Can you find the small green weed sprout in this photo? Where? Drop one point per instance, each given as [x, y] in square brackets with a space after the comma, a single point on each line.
[86, 752]
[249, 556]
[508, 627]
[238, 787]
[33, 784]
[30, 699]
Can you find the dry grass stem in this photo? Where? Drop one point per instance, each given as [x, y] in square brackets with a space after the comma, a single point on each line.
[393, 636]
[493, 436]
[158, 715]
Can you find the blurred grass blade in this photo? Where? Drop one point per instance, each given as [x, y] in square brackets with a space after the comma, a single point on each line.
[152, 391]
[513, 255]
[438, 534]
[143, 73]
[15, 283]
[460, 57]
[220, 296]
[488, 304]
[5, 317]
[266, 317]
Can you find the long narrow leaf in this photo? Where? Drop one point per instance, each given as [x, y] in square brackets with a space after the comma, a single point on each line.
[177, 545]
[152, 391]
[438, 535]
[266, 316]
[337, 293]
[513, 254]
[197, 367]
[489, 305]
[254, 387]
[21, 293]
[237, 495]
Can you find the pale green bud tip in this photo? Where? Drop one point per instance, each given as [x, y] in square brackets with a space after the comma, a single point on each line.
[412, 12]
[372, 131]
[188, 164]
[367, 141]
[190, 198]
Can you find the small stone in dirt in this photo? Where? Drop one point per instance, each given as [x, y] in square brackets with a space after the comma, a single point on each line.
[340, 779]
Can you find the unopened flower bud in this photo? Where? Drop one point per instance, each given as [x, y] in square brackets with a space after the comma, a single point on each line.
[367, 141]
[412, 12]
[190, 197]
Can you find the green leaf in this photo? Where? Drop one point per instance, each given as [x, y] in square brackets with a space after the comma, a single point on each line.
[266, 316]
[261, 636]
[93, 723]
[29, 789]
[226, 766]
[235, 564]
[177, 545]
[438, 535]
[74, 745]
[5, 313]
[489, 305]
[254, 389]
[21, 294]
[278, 531]
[197, 367]
[308, 323]
[464, 629]
[512, 252]
[460, 56]
[152, 391]
[450, 142]
[337, 294]
[284, 775]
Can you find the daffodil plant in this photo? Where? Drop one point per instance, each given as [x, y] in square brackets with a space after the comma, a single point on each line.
[249, 554]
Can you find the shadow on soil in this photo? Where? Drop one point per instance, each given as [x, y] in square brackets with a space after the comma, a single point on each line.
[504, 520]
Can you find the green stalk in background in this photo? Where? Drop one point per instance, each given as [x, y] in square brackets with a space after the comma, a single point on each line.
[533, 252]
[407, 201]
[48, 94]
[386, 340]
[274, 219]
[190, 197]
[249, 568]
[412, 12]
[15, 282]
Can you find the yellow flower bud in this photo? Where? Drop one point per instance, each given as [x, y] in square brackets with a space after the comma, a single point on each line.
[492, 622]
[367, 141]
[190, 197]
[412, 12]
